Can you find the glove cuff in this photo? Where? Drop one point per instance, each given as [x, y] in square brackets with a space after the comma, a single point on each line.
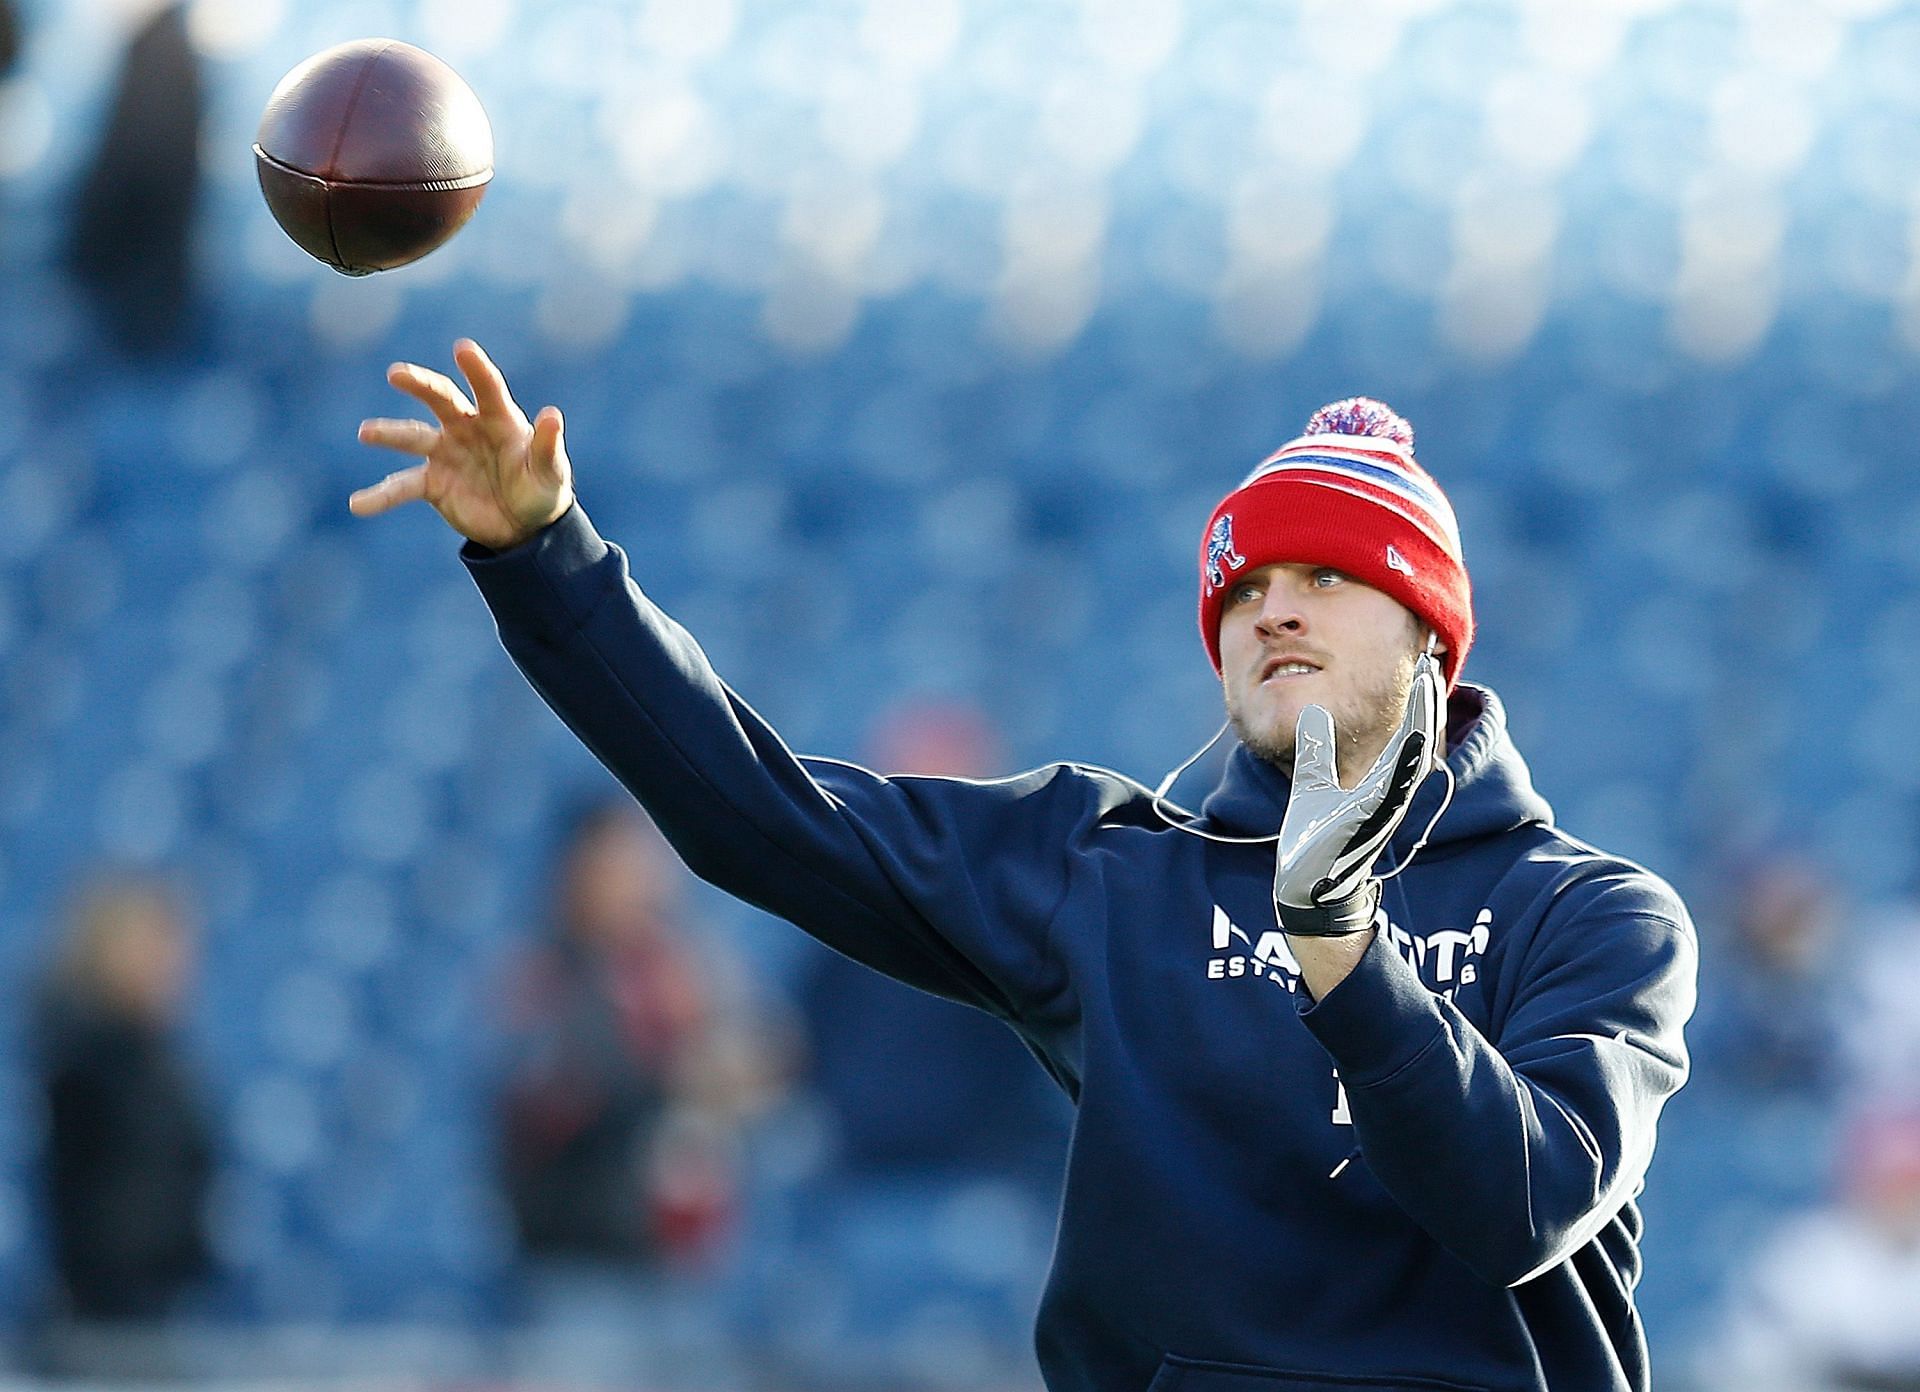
[1340, 919]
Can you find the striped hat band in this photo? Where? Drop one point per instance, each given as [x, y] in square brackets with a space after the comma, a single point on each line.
[1386, 476]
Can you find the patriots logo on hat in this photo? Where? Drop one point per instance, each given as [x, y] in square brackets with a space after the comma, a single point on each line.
[1396, 561]
[1220, 551]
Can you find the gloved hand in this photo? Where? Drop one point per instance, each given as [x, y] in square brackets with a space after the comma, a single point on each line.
[1323, 881]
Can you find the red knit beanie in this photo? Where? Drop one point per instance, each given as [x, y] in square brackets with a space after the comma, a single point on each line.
[1346, 494]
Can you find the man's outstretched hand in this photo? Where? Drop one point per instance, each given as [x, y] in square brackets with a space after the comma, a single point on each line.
[494, 476]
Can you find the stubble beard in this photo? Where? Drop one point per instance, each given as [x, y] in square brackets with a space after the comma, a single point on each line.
[1361, 726]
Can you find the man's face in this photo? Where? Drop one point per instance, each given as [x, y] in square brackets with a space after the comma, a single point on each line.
[1292, 636]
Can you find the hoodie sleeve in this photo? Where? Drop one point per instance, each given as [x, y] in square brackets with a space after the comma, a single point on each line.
[1514, 1152]
[946, 884]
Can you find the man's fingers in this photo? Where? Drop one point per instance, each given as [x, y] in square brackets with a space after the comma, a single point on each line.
[1315, 757]
[1420, 718]
[1411, 770]
[434, 390]
[408, 436]
[406, 486]
[546, 449]
[1419, 702]
[1426, 713]
[489, 387]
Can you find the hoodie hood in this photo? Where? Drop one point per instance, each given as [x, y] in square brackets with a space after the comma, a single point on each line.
[1493, 789]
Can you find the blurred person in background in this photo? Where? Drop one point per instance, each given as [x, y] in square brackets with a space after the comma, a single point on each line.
[12, 42]
[1881, 1026]
[1391, 1129]
[1754, 1132]
[1770, 1041]
[129, 1152]
[1832, 1302]
[925, 1227]
[631, 1075]
[131, 243]
[1769, 1019]
[911, 1082]
[11, 39]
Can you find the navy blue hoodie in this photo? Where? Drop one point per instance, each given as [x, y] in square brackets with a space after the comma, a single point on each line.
[1425, 1180]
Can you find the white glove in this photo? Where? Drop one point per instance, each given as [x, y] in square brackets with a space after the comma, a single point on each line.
[1323, 882]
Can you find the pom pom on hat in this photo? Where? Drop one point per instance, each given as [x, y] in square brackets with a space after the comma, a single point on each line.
[1347, 494]
[1361, 415]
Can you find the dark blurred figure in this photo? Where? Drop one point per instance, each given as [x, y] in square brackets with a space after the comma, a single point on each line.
[631, 1076]
[926, 1220]
[911, 1081]
[1833, 1301]
[128, 1147]
[11, 39]
[131, 245]
[1753, 1133]
[1769, 1020]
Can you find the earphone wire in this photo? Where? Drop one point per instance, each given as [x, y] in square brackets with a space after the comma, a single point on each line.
[1160, 806]
[1166, 785]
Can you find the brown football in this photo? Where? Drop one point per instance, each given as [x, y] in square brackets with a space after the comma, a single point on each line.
[373, 153]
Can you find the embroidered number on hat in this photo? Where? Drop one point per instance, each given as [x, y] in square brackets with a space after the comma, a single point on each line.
[1220, 550]
[1396, 561]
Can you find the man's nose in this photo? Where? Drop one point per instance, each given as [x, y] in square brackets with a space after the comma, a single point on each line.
[1279, 613]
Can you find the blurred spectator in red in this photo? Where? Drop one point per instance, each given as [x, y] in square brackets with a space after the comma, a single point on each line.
[1833, 1301]
[910, 1081]
[632, 1071]
[128, 1144]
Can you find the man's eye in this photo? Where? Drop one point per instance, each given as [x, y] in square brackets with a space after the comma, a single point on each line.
[1326, 579]
[1243, 594]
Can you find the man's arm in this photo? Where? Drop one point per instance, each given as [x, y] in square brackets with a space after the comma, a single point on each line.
[1515, 1151]
[946, 884]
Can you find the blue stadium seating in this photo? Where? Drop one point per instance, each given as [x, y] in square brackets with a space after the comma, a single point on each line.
[210, 664]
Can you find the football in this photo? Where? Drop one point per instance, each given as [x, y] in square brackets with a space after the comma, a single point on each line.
[372, 153]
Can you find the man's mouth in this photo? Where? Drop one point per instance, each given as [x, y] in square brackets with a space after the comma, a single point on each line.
[1286, 667]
